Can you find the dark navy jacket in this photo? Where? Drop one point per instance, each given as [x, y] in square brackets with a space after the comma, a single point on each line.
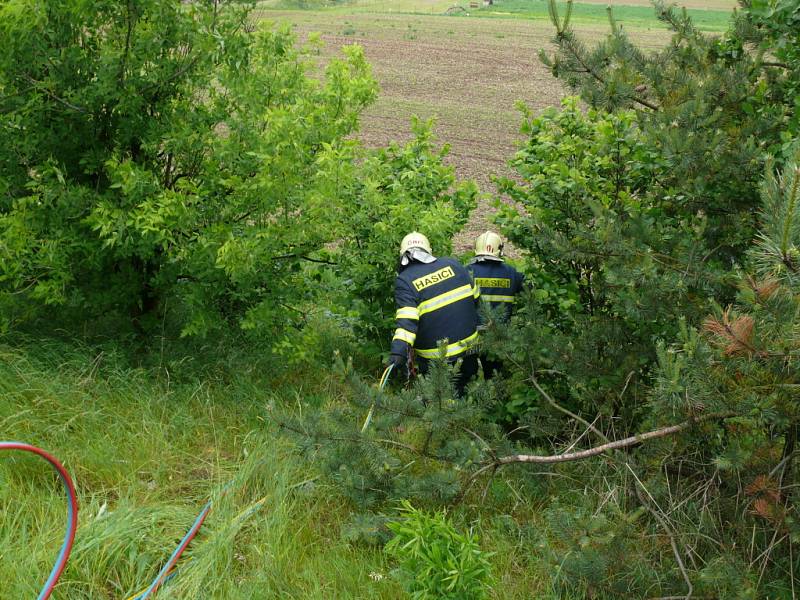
[499, 283]
[435, 301]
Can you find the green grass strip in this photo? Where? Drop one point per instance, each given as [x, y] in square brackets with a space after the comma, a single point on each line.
[637, 17]
[632, 16]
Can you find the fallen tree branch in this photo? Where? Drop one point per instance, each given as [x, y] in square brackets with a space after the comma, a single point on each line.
[780, 65]
[616, 445]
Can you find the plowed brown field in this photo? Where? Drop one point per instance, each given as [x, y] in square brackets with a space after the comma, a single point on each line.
[466, 73]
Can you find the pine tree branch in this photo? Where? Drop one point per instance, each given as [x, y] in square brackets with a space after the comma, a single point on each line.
[565, 41]
[395, 411]
[788, 220]
[365, 439]
[482, 441]
[616, 445]
[739, 340]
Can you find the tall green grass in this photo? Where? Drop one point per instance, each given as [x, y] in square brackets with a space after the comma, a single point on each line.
[147, 449]
[146, 454]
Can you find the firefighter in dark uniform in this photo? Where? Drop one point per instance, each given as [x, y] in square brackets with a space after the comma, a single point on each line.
[499, 284]
[436, 300]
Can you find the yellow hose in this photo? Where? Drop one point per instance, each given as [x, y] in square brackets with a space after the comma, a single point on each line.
[381, 385]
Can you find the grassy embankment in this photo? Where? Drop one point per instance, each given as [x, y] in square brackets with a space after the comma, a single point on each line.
[147, 451]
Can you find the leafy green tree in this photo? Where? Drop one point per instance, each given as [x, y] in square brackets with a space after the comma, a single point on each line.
[393, 191]
[154, 150]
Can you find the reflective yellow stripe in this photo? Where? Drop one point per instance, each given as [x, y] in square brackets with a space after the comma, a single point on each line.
[442, 300]
[451, 349]
[405, 335]
[476, 291]
[493, 298]
[407, 312]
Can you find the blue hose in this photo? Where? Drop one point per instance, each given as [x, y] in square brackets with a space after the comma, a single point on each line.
[165, 573]
[72, 513]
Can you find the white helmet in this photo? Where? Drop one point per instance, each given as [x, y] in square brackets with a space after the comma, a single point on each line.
[414, 240]
[489, 244]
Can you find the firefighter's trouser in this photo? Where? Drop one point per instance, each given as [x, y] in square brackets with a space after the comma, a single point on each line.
[491, 366]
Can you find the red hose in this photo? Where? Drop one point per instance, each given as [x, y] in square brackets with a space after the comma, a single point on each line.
[72, 513]
[166, 570]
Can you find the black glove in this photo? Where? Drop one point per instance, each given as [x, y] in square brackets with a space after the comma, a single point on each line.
[398, 360]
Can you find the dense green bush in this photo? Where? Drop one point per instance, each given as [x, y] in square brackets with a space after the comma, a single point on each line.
[394, 191]
[613, 265]
[173, 163]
